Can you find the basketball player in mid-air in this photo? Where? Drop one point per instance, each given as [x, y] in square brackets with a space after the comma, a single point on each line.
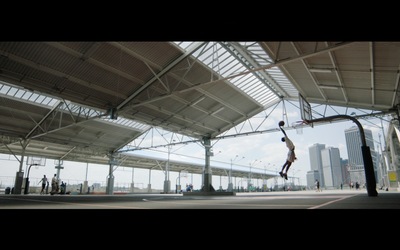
[291, 156]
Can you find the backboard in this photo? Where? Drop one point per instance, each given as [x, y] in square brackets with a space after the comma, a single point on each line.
[36, 160]
[305, 110]
[184, 173]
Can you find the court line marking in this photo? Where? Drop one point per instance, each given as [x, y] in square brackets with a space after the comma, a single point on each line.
[66, 203]
[198, 204]
[237, 206]
[330, 202]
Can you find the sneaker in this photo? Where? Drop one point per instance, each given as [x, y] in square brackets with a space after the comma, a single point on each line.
[281, 174]
[285, 175]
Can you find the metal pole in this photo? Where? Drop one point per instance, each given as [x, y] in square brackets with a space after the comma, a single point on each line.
[176, 182]
[87, 168]
[27, 179]
[166, 181]
[133, 181]
[264, 182]
[249, 184]
[230, 185]
[230, 173]
[207, 173]
[368, 165]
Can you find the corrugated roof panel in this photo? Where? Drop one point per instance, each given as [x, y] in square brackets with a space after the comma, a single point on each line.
[49, 102]
[228, 66]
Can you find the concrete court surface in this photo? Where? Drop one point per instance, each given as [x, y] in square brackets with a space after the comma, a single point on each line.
[300, 200]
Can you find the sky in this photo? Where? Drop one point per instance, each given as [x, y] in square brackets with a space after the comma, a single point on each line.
[265, 152]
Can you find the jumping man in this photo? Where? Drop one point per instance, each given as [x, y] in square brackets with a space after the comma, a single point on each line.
[291, 156]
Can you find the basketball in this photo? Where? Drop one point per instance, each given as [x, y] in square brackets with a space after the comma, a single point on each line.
[281, 123]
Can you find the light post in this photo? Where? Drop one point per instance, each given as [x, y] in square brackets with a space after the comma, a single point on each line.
[239, 187]
[294, 177]
[275, 170]
[230, 185]
[251, 164]
[264, 182]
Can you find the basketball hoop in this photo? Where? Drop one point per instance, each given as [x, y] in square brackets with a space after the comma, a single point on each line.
[184, 173]
[298, 125]
[36, 161]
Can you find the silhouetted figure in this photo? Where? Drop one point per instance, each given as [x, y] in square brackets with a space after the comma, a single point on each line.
[291, 156]
[44, 182]
[317, 186]
[54, 185]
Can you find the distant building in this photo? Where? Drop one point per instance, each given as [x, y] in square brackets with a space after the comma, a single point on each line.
[344, 163]
[325, 167]
[331, 168]
[311, 177]
[354, 152]
[316, 165]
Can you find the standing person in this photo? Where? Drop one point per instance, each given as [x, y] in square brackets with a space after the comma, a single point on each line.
[291, 156]
[54, 184]
[317, 185]
[44, 182]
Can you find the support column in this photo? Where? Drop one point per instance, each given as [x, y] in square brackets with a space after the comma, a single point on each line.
[133, 183]
[149, 185]
[167, 182]
[85, 182]
[20, 174]
[207, 175]
[110, 184]
[110, 177]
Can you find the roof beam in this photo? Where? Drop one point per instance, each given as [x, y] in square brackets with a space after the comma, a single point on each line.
[347, 104]
[44, 118]
[396, 88]
[177, 116]
[278, 63]
[90, 60]
[161, 73]
[338, 75]
[270, 83]
[308, 71]
[372, 70]
[48, 70]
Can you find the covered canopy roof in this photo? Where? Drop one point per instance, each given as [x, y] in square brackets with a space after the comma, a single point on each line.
[83, 101]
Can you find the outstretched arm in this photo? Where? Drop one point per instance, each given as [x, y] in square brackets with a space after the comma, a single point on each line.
[283, 131]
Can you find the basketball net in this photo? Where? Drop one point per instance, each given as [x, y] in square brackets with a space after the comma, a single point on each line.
[298, 125]
[184, 173]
